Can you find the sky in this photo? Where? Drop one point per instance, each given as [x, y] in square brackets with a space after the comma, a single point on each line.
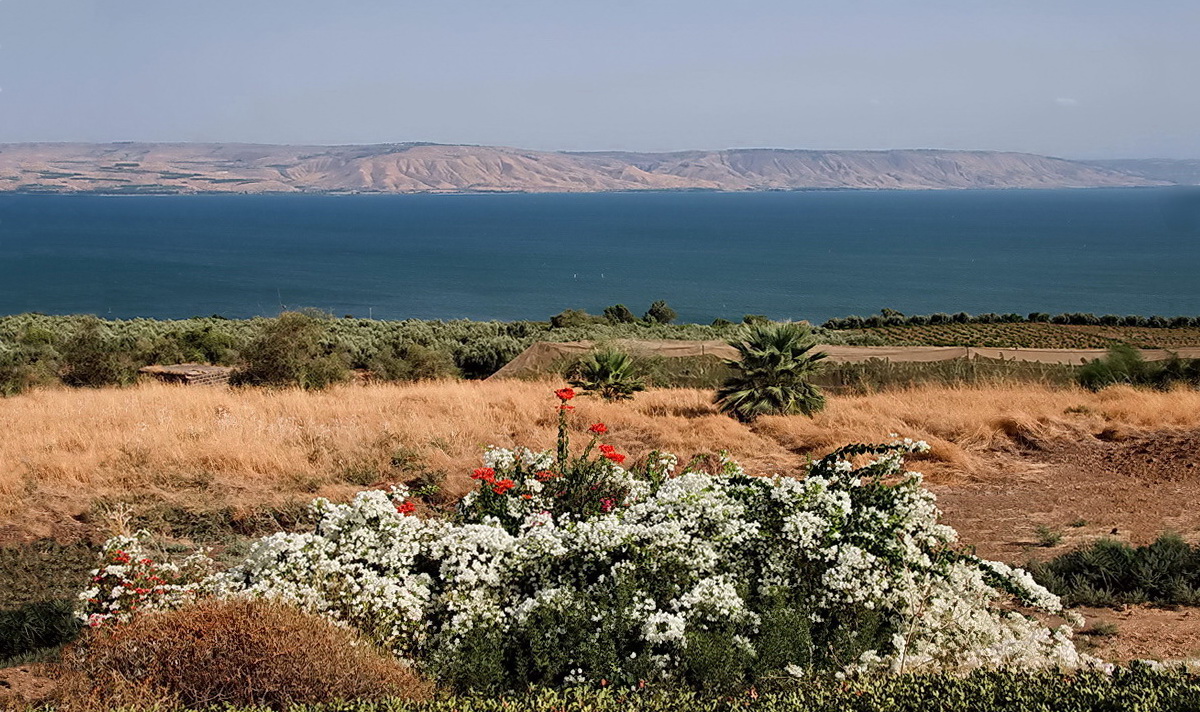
[1071, 78]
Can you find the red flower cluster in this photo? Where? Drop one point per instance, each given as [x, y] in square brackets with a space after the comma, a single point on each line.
[611, 453]
[486, 474]
[599, 428]
[565, 394]
[545, 476]
[503, 486]
[407, 507]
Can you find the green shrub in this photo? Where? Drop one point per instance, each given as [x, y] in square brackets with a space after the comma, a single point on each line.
[209, 344]
[773, 375]
[1125, 365]
[574, 318]
[292, 351]
[609, 374]
[1048, 537]
[412, 362]
[482, 357]
[92, 357]
[619, 314]
[1137, 688]
[1110, 572]
[660, 313]
[36, 626]
[25, 366]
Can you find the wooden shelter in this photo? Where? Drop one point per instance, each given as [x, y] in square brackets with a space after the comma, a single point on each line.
[191, 374]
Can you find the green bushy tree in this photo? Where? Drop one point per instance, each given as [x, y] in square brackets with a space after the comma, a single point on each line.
[291, 351]
[91, 357]
[412, 362]
[619, 314]
[773, 375]
[660, 313]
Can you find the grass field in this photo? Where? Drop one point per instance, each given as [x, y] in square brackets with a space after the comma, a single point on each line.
[187, 459]
[1032, 335]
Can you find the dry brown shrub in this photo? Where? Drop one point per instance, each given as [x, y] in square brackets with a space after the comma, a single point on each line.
[238, 652]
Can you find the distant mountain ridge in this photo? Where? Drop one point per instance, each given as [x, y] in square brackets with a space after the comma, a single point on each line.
[438, 168]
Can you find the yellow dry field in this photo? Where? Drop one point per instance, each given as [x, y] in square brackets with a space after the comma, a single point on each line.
[65, 455]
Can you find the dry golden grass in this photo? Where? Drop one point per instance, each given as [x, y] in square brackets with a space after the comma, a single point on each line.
[201, 449]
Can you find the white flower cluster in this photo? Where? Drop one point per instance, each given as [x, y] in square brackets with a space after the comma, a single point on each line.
[128, 581]
[693, 555]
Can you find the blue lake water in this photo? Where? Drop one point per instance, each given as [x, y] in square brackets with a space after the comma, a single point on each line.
[798, 255]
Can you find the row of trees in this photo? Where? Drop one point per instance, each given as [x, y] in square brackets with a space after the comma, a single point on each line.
[891, 317]
[658, 313]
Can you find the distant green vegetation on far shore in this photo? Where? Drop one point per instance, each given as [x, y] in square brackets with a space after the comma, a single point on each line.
[1038, 330]
[313, 349]
[310, 347]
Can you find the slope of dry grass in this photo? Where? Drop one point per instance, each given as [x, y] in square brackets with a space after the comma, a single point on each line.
[66, 454]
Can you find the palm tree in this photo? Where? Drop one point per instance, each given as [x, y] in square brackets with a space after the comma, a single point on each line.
[608, 374]
[772, 376]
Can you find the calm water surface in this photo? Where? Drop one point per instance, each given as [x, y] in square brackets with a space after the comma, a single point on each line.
[807, 255]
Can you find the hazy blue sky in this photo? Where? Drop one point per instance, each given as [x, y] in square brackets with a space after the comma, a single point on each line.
[1076, 78]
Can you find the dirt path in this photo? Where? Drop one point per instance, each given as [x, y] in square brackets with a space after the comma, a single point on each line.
[1128, 486]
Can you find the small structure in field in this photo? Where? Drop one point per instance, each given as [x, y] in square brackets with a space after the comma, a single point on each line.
[191, 374]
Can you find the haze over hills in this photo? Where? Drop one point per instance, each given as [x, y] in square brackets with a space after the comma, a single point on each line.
[435, 168]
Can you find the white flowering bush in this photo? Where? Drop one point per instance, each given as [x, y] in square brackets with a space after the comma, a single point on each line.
[562, 570]
[128, 580]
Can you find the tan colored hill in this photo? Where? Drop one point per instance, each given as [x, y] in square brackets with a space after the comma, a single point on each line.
[426, 168]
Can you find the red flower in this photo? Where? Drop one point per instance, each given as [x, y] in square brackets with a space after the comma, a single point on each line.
[527, 496]
[607, 449]
[565, 394]
[503, 486]
[566, 408]
[615, 457]
[599, 428]
[407, 507]
[486, 474]
[545, 476]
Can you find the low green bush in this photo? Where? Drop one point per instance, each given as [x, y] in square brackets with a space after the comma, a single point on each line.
[1125, 365]
[1138, 688]
[1110, 572]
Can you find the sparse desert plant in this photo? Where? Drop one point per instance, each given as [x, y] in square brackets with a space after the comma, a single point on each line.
[1047, 537]
[235, 652]
[774, 374]
[1101, 629]
[608, 373]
